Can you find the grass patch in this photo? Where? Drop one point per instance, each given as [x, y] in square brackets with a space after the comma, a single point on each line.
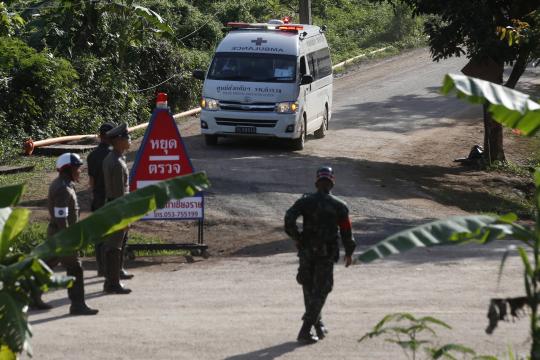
[140, 238]
[36, 186]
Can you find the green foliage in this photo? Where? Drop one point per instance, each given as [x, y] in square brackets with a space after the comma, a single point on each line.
[9, 22]
[409, 333]
[456, 230]
[36, 97]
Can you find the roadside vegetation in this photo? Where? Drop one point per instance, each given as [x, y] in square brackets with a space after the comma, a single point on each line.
[513, 110]
[67, 66]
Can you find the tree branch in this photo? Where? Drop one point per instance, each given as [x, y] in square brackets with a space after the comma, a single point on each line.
[519, 66]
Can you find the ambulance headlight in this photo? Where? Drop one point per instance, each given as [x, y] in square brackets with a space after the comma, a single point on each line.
[286, 107]
[209, 104]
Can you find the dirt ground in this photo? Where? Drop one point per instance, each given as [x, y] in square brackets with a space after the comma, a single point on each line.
[392, 142]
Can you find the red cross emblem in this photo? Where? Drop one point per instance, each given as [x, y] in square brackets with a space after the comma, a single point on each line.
[259, 41]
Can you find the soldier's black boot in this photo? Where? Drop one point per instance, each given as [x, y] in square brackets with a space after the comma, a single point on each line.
[305, 336]
[76, 294]
[320, 329]
[112, 283]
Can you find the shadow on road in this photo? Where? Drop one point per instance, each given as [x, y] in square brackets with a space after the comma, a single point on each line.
[268, 353]
[49, 319]
[401, 113]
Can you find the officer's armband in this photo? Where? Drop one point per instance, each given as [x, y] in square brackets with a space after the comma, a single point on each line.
[61, 212]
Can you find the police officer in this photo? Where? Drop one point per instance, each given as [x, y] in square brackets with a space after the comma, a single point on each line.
[64, 211]
[97, 182]
[116, 176]
[318, 249]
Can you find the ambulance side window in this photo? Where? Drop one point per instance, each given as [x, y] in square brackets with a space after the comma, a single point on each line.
[312, 66]
[303, 70]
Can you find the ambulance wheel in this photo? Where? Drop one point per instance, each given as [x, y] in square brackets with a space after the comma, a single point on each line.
[298, 144]
[210, 140]
[321, 132]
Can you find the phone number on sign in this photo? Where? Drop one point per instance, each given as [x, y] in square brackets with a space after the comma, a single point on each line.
[177, 214]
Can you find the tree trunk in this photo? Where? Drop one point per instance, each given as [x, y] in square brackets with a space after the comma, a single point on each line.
[493, 139]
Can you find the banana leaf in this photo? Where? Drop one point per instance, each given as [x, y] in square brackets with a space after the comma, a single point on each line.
[19, 280]
[15, 331]
[509, 107]
[11, 228]
[455, 230]
[118, 214]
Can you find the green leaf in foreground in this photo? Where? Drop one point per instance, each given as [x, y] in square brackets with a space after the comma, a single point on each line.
[15, 224]
[509, 107]
[118, 214]
[460, 229]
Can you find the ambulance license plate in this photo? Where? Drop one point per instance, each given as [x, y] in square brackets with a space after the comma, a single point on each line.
[246, 130]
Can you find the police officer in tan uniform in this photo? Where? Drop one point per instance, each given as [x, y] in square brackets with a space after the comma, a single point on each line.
[64, 212]
[116, 176]
[96, 181]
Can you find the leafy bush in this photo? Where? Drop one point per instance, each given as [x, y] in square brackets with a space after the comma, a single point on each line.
[37, 99]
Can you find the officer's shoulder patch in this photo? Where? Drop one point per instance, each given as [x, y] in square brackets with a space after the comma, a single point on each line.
[306, 195]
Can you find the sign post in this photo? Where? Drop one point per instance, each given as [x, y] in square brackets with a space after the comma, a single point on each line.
[162, 155]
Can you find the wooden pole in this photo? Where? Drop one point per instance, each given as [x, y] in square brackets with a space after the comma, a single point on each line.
[305, 12]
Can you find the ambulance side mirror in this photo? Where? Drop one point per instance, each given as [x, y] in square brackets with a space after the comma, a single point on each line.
[198, 74]
[306, 79]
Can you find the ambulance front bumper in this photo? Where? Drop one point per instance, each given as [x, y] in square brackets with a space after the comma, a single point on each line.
[250, 124]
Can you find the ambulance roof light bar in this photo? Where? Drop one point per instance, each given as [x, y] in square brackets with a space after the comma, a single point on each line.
[284, 27]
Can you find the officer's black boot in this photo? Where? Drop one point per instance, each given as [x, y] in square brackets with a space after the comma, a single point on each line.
[305, 336]
[112, 283]
[76, 294]
[37, 303]
[124, 275]
[99, 260]
[320, 329]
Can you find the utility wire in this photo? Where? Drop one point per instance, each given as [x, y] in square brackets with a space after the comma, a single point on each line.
[155, 86]
[210, 18]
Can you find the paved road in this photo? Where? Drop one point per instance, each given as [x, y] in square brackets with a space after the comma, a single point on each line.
[249, 307]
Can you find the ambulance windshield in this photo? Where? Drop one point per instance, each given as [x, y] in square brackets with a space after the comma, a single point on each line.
[251, 67]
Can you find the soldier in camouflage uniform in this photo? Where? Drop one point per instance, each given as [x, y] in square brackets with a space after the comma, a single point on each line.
[64, 212]
[116, 176]
[318, 248]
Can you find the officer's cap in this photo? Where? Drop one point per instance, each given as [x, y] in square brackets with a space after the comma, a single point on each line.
[326, 172]
[105, 127]
[119, 131]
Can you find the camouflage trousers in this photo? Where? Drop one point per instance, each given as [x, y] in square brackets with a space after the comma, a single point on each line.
[316, 275]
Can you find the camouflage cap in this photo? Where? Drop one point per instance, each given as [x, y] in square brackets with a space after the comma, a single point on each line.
[326, 172]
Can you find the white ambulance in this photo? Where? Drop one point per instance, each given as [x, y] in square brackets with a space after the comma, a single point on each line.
[268, 80]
